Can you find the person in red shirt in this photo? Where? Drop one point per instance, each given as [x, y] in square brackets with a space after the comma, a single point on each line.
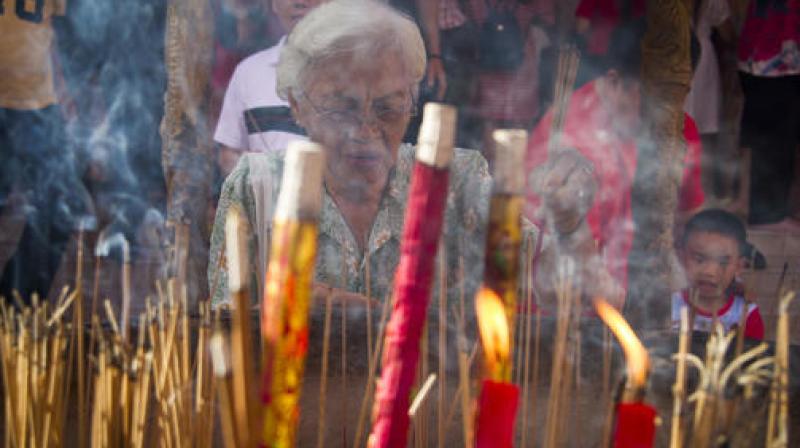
[712, 254]
[594, 177]
[597, 19]
[769, 69]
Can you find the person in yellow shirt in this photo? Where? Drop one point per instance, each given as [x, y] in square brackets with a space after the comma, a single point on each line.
[37, 178]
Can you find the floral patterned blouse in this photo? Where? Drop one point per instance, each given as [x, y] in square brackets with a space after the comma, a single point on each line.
[254, 184]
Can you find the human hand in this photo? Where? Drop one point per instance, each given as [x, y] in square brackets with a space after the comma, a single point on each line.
[435, 75]
[227, 158]
[567, 187]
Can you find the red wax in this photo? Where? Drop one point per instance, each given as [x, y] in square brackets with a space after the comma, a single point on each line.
[635, 426]
[412, 286]
[497, 410]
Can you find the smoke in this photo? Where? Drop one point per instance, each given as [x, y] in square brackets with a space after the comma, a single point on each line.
[111, 56]
[106, 243]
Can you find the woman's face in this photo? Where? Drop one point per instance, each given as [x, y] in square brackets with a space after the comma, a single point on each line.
[358, 110]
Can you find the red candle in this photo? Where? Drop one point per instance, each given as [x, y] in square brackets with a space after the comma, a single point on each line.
[635, 426]
[496, 301]
[422, 228]
[497, 410]
[635, 421]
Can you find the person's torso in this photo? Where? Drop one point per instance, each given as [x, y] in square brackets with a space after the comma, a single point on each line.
[342, 263]
[267, 118]
[26, 70]
[769, 44]
[730, 316]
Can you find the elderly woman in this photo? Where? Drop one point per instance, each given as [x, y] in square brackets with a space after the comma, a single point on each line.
[350, 71]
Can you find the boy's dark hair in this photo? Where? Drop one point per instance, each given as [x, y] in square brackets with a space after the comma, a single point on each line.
[625, 48]
[720, 222]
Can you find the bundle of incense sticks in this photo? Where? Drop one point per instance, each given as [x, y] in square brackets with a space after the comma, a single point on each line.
[287, 293]
[237, 232]
[121, 384]
[33, 343]
[183, 399]
[422, 228]
[562, 364]
[710, 403]
[778, 418]
[497, 408]
[568, 61]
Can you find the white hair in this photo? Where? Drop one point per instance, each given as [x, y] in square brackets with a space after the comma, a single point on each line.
[363, 28]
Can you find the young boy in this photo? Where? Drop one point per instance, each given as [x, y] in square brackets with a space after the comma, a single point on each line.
[714, 242]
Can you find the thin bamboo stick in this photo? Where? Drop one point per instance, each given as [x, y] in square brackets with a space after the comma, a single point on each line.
[678, 389]
[223, 380]
[467, 416]
[442, 344]
[371, 377]
[323, 377]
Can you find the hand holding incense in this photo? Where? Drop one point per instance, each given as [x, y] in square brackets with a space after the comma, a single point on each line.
[422, 229]
[287, 294]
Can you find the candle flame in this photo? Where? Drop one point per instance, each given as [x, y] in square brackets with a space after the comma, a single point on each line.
[493, 327]
[637, 359]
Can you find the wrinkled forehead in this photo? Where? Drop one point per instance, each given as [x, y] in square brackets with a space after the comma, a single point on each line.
[357, 74]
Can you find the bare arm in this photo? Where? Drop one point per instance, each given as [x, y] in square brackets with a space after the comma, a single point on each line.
[227, 158]
[435, 74]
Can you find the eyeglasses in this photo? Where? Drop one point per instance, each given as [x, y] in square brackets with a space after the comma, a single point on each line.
[387, 110]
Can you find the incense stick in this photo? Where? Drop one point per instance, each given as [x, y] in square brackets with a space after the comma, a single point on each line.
[126, 288]
[678, 389]
[362, 413]
[463, 364]
[323, 382]
[236, 234]
[421, 395]
[223, 380]
[568, 61]
[527, 316]
[442, 342]
[425, 210]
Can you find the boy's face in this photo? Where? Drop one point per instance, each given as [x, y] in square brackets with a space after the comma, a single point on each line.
[711, 261]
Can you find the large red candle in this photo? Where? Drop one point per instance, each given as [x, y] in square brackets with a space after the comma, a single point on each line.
[287, 292]
[412, 285]
[497, 410]
[635, 421]
[496, 301]
[635, 426]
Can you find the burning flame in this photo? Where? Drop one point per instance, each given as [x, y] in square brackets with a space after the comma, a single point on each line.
[638, 361]
[494, 330]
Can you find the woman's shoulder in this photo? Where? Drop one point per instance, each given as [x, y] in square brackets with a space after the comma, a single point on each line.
[256, 164]
[470, 162]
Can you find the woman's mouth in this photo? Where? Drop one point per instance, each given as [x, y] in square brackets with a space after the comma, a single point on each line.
[365, 160]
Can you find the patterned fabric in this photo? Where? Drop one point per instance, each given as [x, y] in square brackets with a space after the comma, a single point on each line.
[769, 44]
[340, 263]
